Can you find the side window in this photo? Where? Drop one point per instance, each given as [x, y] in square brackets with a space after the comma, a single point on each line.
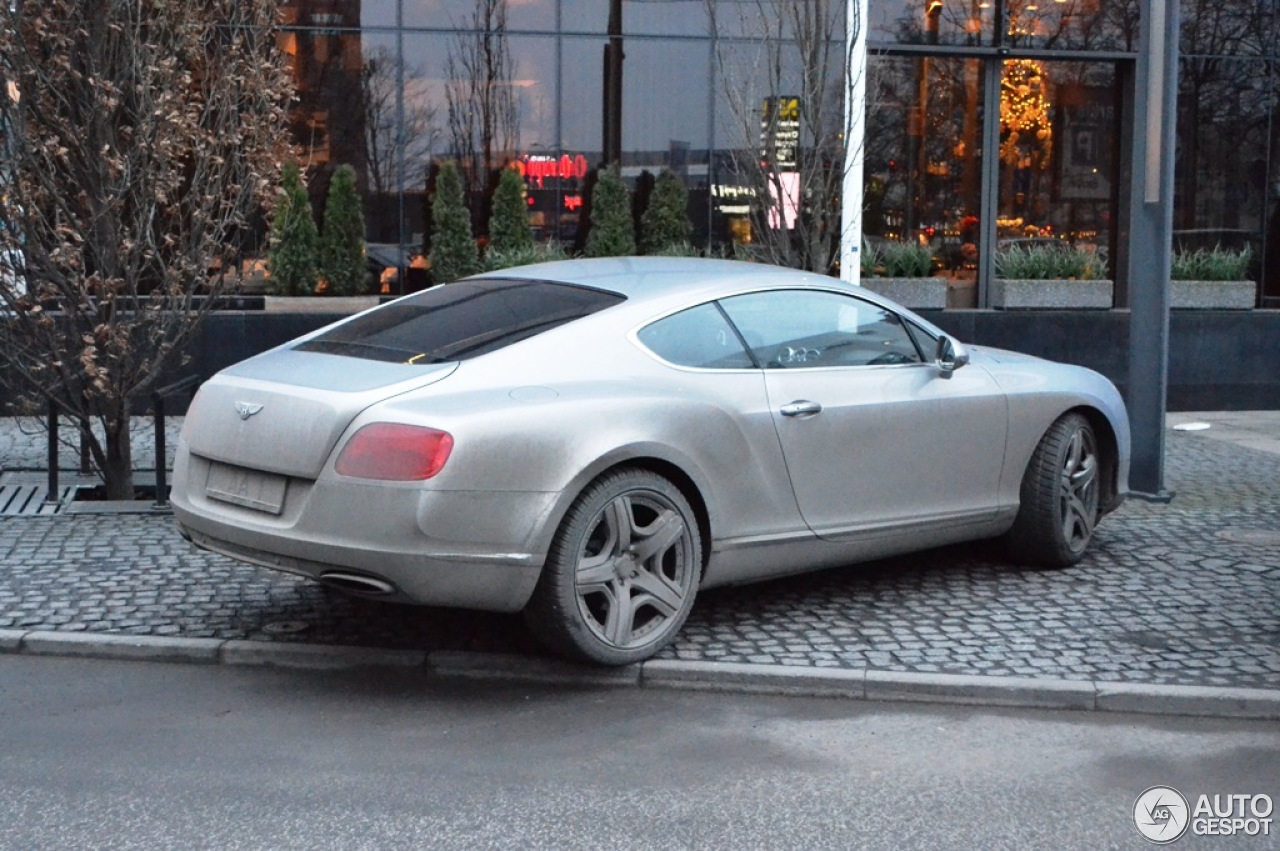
[925, 342]
[790, 329]
[699, 337]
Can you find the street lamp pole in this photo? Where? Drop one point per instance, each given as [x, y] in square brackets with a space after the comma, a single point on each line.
[1151, 242]
[855, 114]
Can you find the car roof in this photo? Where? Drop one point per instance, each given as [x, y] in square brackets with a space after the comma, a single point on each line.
[646, 278]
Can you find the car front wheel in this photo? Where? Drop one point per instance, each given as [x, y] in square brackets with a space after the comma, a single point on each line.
[622, 572]
[1059, 497]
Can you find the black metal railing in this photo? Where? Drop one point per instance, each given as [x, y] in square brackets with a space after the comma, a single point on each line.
[158, 398]
[184, 385]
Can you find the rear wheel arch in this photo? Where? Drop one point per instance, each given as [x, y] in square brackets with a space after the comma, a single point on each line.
[624, 566]
[668, 469]
[688, 488]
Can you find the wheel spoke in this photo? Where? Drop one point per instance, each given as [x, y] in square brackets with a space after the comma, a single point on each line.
[659, 536]
[1077, 521]
[621, 616]
[618, 517]
[1079, 474]
[594, 572]
[659, 593]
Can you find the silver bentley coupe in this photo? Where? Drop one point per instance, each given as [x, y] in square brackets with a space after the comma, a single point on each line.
[592, 441]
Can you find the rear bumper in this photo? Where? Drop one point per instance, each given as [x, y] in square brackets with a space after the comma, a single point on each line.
[467, 549]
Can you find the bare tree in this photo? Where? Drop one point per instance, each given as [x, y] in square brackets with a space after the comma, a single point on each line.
[785, 87]
[379, 82]
[1220, 98]
[143, 134]
[483, 113]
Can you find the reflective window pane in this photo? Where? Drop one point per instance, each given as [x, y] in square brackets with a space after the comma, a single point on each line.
[521, 15]
[1058, 154]
[1054, 24]
[1221, 201]
[923, 166]
[378, 13]
[933, 21]
[1229, 29]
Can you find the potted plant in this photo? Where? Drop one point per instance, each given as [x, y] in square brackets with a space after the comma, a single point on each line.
[1030, 277]
[1216, 279]
[903, 272]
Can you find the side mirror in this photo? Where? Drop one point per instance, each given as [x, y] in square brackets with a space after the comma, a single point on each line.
[949, 356]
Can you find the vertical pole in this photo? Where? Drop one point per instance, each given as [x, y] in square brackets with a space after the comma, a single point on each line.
[612, 147]
[402, 236]
[85, 467]
[162, 485]
[989, 199]
[855, 124]
[52, 454]
[1151, 239]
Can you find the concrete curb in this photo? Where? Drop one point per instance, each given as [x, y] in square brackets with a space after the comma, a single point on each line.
[981, 691]
[138, 648]
[294, 655]
[850, 684]
[499, 666]
[755, 679]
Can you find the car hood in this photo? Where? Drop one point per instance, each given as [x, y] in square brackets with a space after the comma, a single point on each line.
[283, 411]
[1003, 355]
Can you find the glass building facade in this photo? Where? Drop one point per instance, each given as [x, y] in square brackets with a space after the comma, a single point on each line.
[989, 122]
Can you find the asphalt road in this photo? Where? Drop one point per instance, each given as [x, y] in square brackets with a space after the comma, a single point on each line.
[116, 755]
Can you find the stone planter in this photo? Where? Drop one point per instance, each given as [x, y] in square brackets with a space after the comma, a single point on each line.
[1017, 294]
[319, 303]
[1212, 295]
[915, 293]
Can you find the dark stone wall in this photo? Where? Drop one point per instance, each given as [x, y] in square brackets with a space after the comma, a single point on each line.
[1218, 360]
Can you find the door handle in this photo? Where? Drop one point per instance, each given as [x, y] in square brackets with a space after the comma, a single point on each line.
[801, 408]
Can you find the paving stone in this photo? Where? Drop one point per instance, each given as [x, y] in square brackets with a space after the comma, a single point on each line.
[1159, 598]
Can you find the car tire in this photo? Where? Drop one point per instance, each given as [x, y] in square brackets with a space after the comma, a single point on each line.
[1059, 496]
[622, 571]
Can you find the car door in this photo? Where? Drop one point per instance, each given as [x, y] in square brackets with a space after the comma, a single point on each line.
[873, 434]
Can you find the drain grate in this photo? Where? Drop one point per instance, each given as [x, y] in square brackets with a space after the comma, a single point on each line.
[1256, 537]
[26, 495]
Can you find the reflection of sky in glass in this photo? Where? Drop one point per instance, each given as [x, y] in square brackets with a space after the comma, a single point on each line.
[537, 15]
[426, 57]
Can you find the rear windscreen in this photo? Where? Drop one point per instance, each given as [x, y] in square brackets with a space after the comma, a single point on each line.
[460, 320]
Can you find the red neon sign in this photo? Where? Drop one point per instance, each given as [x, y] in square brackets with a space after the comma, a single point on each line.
[538, 168]
[572, 202]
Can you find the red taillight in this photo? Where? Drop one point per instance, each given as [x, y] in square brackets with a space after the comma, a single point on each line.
[393, 452]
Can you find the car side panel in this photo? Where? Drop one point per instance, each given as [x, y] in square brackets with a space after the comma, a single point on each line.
[560, 437]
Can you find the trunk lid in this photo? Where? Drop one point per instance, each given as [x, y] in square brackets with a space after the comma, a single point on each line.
[283, 411]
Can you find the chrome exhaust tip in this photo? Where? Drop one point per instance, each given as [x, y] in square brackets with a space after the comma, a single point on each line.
[355, 583]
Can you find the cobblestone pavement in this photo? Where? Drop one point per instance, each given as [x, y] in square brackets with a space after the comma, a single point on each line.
[1185, 593]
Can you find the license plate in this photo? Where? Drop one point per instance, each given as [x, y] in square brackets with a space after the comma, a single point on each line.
[249, 488]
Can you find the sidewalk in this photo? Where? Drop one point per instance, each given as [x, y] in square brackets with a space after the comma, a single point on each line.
[1176, 608]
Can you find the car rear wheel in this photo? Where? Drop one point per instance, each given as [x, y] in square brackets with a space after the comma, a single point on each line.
[1059, 507]
[622, 572]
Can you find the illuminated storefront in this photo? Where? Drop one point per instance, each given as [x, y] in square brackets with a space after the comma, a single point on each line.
[989, 121]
